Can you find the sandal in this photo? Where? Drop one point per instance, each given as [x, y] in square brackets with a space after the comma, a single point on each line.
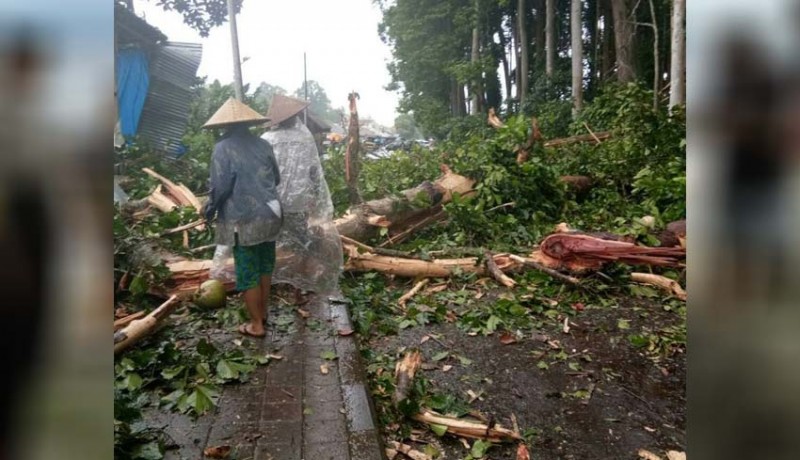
[244, 329]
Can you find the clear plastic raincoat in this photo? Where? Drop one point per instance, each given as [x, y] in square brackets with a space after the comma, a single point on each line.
[308, 251]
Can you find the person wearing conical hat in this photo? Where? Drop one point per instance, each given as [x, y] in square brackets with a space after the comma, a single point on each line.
[309, 251]
[243, 197]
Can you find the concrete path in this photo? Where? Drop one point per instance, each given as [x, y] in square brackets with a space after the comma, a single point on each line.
[290, 409]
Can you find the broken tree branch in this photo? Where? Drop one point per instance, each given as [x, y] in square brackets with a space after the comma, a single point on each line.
[139, 328]
[662, 282]
[467, 428]
[501, 277]
[405, 208]
[414, 290]
[533, 264]
[406, 450]
[585, 125]
[194, 224]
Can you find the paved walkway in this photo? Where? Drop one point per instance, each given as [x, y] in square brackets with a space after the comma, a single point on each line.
[290, 409]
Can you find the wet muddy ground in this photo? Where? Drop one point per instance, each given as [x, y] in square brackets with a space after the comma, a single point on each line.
[614, 384]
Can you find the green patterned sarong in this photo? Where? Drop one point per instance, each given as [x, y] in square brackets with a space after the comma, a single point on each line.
[252, 262]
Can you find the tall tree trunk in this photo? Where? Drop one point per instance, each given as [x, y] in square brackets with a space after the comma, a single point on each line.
[517, 60]
[592, 55]
[607, 43]
[623, 40]
[506, 65]
[474, 60]
[656, 63]
[577, 56]
[523, 49]
[352, 163]
[540, 23]
[677, 93]
[462, 102]
[549, 31]
[453, 97]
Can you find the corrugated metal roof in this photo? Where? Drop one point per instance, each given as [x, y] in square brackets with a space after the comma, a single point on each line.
[166, 110]
[131, 29]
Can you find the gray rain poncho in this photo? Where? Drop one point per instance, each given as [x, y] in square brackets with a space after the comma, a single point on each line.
[309, 252]
[244, 176]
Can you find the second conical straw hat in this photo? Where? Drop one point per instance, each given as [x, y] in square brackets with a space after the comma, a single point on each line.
[234, 112]
[284, 107]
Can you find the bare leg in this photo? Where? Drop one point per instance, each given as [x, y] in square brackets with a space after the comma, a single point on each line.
[255, 307]
[266, 281]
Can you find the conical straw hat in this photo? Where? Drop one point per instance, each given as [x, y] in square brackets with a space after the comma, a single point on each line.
[234, 112]
[284, 107]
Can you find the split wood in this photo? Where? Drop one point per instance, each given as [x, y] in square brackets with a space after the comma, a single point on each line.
[122, 322]
[404, 373]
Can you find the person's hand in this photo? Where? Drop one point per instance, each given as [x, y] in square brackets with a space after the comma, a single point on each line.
[208, 212]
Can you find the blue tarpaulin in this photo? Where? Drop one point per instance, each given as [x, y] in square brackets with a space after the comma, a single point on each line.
[133, 80]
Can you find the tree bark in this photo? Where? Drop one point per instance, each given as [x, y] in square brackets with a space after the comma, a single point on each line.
[577, 57]
[656, 63]
[607, 42]
[592, 54]
[475, 55]
[550, 38]
[523, 41]
[623, 40]
[677, 92]
[506, 65]
[352, 153]
[364, 221]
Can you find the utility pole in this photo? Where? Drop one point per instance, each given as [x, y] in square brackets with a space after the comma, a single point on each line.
[305, 88]
[237, 64]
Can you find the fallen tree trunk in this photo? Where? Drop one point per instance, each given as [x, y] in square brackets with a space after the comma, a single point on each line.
[412, 268]
[579, 253]
[139, 328]
[577, 139]
[365, 220]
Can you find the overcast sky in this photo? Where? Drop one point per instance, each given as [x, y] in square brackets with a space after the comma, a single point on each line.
[340, 38]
